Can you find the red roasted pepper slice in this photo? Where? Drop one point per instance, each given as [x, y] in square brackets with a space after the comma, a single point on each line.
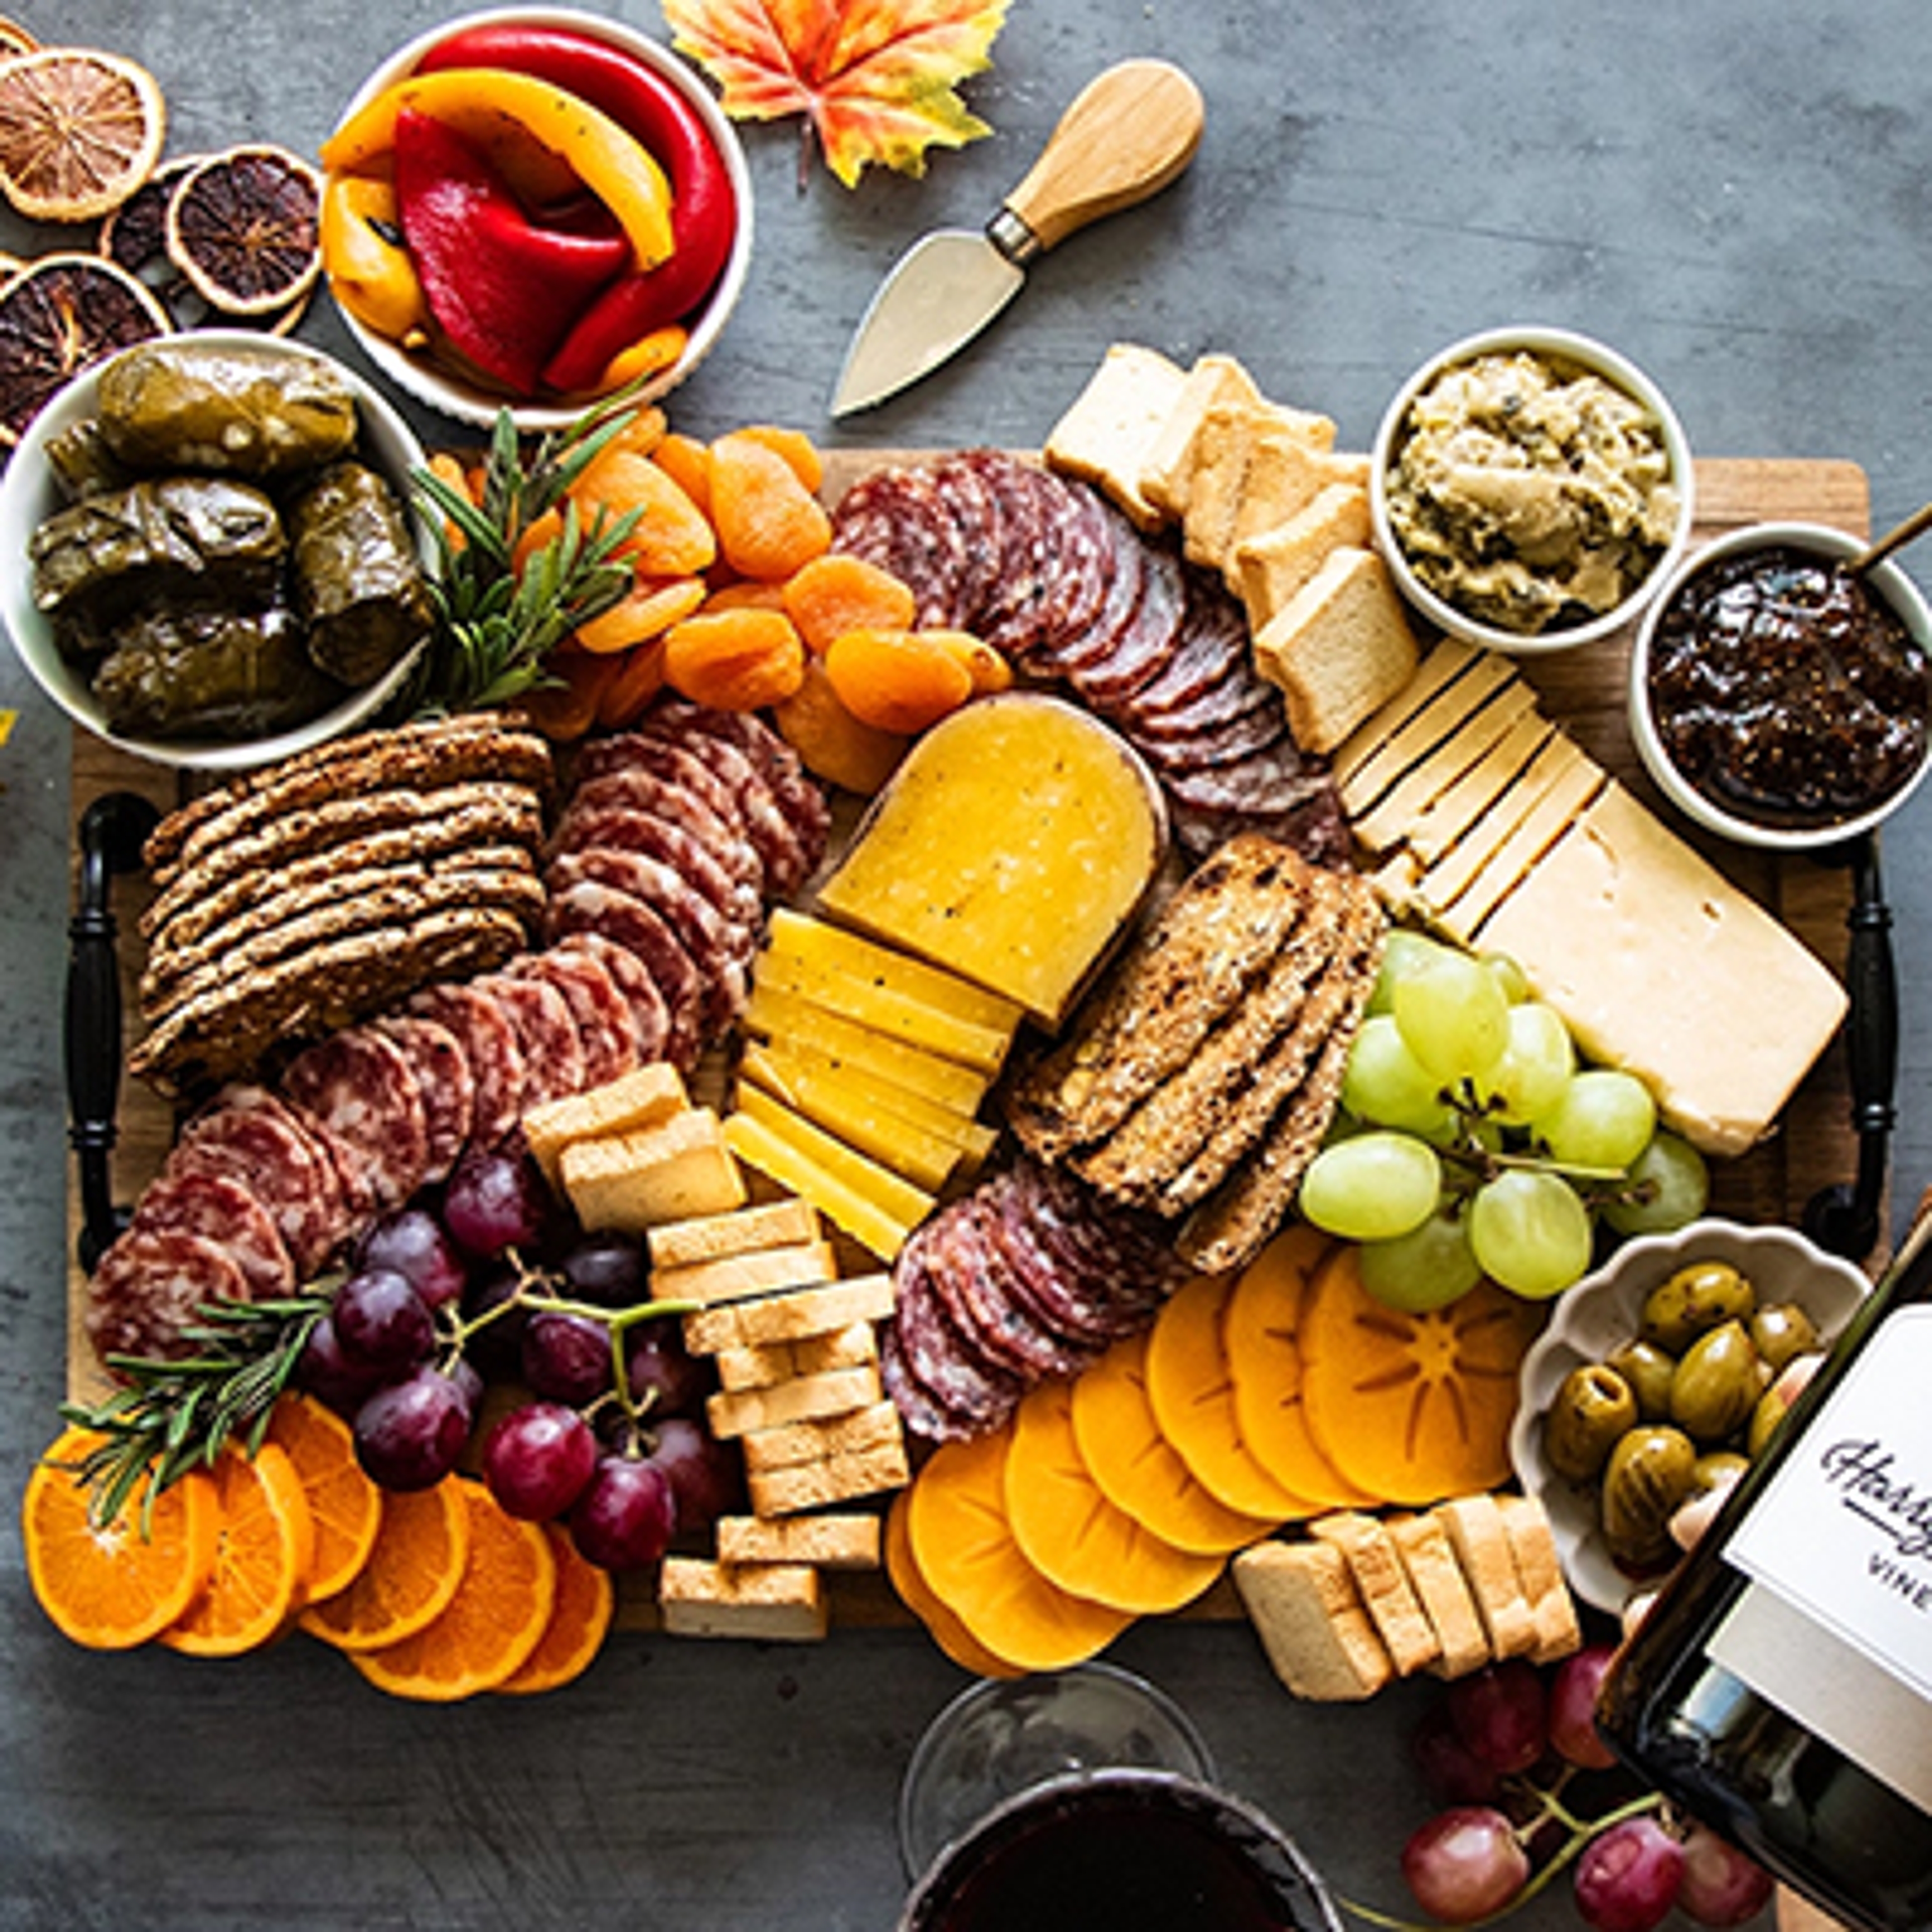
[704, 211]
[502, 289]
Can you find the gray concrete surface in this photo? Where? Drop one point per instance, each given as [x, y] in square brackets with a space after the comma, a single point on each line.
[1733, 192]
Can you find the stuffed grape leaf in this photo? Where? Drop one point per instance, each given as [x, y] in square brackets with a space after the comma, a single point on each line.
[875, 77]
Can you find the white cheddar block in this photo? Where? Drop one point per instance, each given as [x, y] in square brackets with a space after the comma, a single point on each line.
[780, 1602]
[803, 1399]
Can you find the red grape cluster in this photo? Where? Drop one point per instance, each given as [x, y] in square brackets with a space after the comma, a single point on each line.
[610, 1444]
[1502, 1750]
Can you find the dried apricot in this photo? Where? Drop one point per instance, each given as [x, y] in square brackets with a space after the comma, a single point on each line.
[747, 594]
[546, 529]
[897, 680]
[835, 593]
[768, 524]
[639, 678]
[672, 538]
[833, 744]
[989, 671]
[735, 660]
[643, 434]
[688, 463]
[794, 446]
[650, 607]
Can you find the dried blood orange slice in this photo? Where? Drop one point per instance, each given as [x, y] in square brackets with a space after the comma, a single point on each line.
[80, 131]
[134, 236]
[244, 228]
[15, 39]
[60, 315]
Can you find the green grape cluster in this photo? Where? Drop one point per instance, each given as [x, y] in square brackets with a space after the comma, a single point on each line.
[1472, 1141]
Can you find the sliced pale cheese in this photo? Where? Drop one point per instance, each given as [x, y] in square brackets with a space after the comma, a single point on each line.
[874, 1206]
[776, 1016]
[1394, 818]
[1418, 736]
[913, 1136]
[813, 943]
[1658, 964]
[1012, 846]
[1449, 815]
[887, 1011]
[1545, 821]
[743, 1231]
[1437, 671]
[629, 1182]
[731, 1277]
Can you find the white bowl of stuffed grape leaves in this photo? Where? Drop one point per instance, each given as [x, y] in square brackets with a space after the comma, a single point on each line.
[212, 555]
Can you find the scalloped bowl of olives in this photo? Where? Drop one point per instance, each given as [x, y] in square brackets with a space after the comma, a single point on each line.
[1653, 1382]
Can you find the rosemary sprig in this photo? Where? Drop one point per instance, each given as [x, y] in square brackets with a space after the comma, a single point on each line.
[170, 1417]
[495, 624]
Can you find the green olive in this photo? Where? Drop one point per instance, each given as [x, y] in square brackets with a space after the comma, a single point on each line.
[1647, 1369]
[1652, 1472]
[1780, 1330]
[1717, 1384]
[1591, 1409]
[1694, 1300]
[1716, 1467]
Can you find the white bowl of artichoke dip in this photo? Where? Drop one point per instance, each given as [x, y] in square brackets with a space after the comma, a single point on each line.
[1531, 489]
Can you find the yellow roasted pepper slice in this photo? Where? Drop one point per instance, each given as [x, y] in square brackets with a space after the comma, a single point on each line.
[614, 165]
[369, 270]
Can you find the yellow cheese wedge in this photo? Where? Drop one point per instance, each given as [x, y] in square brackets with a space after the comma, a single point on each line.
[785, 1017]
[1012, 846]
[811, 942]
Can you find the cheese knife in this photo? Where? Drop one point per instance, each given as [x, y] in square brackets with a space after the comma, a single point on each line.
[1129, 133]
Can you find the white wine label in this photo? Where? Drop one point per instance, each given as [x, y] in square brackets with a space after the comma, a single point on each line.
[1841, 1538]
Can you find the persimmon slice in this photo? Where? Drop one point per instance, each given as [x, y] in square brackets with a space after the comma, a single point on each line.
[1136, 1467]
[1412, 1408]
[963, 1544]
[941, 1624]
[1192, 1390]
[1260, 1331]
[1073, 1535]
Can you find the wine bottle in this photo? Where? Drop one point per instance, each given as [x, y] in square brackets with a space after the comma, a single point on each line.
[1780, 1689]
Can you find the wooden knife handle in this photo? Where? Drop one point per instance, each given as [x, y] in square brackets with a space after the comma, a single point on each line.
[1129, 133]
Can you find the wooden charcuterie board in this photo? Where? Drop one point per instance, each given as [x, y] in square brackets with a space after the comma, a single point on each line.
[1584, 690]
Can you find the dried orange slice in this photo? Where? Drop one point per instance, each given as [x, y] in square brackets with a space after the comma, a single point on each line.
[345, 1507]
[262, 1557]
[492, 1625]
[243, 227]
[14, 38]
[413, 1573]
[80, 131]
[113, 1587]
[60, 315]
[580, 1620]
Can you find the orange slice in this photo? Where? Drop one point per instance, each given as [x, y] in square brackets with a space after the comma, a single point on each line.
[79, 132]
[1413, 1408]
[918, 1597]
[262, 1557]
[493, 1623]
[245, 227]
[1260, 1331]
[113, 1587]
[580, 1620]
[14, 38]
[1192, 1390]
[1136, 1467]
[60, 315]
[412, 1573]
[964, 1546]
[344, 1505]
[1073, 1535]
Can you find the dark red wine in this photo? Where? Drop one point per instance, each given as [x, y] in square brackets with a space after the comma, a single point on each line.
[1781, 1689]
[1123, 1851]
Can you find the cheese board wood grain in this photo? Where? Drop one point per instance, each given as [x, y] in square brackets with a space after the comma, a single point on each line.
[1584, 690]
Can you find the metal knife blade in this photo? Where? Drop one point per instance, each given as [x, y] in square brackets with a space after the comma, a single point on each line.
[1128, 133]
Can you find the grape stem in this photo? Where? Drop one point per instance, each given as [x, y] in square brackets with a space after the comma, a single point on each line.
[1581, 1830]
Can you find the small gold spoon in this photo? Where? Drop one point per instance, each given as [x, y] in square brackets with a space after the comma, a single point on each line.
[1914, 525]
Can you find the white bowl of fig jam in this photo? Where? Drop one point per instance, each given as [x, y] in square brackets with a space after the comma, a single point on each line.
[1776, 698]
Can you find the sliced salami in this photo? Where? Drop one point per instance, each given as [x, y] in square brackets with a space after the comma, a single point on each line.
[589, 907]
[989, 1304]
[732, 889]
[920, 1409]
[490, 1045]
[552, 1055]
[1146, 643]
[443, 1078]
[781, 851]
[976, 503]
[221, 1208]
[649, 1017]
[900, 520]
[798, 794]
[632, 789]
[598, 1010]
[358, 1089]
[1071, 654]
[660, 757]
[149, 1287]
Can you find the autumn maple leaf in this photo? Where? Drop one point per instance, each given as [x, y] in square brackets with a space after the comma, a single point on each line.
[875, 77]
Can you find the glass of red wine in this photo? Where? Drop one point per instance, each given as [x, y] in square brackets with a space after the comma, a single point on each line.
[1086, 1798]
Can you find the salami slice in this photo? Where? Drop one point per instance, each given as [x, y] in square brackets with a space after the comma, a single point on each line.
[941, 1358]
[780, 850]
[246, 1134]
[1069, 654]
[632, 790]
[921, 1411]
[798, 794]
[629, 922]
[149, 1287]
[976, 503]
[598, 1010]
[490, 1046]
[224, 1210]
[359, 1089]
[732, 889]
[649, 1017]
[443, 1078]
[661, 757]
[1146, 645]
[900, 520]
[553, 1056]
[988, 1303]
